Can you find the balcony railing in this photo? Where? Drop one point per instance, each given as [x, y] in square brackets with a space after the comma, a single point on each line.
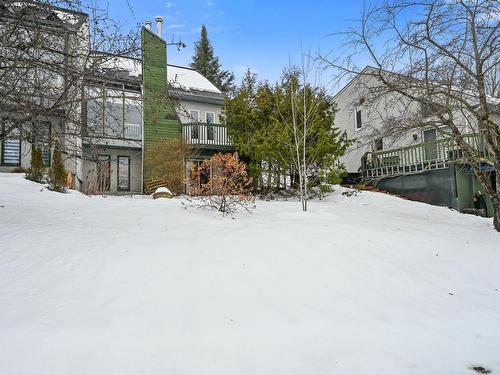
[132, 131]
[416, 158]
[204, 135]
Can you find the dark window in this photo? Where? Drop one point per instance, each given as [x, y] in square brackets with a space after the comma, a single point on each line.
[210, 117]
[379, 144]
[123, 173]
[358, 119]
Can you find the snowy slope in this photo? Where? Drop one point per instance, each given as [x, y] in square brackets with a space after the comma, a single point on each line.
[363, 285]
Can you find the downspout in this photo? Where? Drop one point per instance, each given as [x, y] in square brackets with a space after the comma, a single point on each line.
[142, 136]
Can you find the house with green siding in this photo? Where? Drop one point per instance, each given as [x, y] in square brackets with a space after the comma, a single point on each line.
[136, 103]
[127, 106]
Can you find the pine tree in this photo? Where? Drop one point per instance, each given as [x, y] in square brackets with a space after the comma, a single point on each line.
[57, 173]
[206, 63]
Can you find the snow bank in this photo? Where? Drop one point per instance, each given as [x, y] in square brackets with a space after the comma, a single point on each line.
[359, 285]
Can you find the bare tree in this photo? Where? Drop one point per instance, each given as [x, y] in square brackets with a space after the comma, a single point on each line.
[47, 56]
[314, 143]
[439, 60]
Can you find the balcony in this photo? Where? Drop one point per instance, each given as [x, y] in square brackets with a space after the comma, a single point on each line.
[132, 131]
[208, 136]
[421, 157]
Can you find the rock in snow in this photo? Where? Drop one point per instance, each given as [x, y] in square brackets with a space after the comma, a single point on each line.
[93, 285]
[162, 192]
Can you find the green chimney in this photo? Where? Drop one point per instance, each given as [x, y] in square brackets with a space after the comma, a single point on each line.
[160, 119]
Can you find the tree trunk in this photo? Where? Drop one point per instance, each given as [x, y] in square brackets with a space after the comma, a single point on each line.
[496, 213]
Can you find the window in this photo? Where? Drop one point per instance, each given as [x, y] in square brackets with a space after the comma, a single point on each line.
[358, 119]
[113, 114]
[11, 150]
[430, 146]
[210, 132]
[133, 119]
[94, 112]
[193, 116]
[379, 144]
[195, 131]
[123, 173]
[210, 119]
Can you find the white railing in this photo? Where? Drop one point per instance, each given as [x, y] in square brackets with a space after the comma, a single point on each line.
[132, 131]
[206, 135]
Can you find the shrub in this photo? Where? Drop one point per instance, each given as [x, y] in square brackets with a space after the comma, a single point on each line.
[35, 172]
[19, 170]
[222, 183]
[167, 163]
[57, 173]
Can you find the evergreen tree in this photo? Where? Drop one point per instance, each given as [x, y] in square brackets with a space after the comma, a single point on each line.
[57, 173]
[35, 172]
[259, 120]
[206, 63]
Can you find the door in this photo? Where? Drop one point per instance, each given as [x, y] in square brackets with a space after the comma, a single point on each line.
[430, 146]
[123, 173]
[103, 173]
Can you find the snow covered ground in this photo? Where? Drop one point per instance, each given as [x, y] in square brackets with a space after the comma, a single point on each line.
[359, 285]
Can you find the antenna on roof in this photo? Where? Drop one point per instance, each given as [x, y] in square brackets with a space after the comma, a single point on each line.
[180, 44]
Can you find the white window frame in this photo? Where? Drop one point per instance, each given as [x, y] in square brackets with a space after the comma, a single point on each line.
[189, 115]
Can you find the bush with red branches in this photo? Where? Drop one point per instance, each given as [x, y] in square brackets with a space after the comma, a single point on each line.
[222, 183]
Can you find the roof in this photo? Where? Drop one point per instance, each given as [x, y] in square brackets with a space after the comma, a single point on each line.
[44, 13]
[180, 77]
[365, 72]
[189, 79]
[351, 81]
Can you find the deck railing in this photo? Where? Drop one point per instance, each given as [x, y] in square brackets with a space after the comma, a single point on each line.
[132, 131]
[205, 135]
[416, 158]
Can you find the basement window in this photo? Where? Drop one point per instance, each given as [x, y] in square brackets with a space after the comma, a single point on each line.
[379, 144]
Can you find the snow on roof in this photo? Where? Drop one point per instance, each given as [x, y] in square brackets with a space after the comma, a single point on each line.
[117, 62]
[180, 77]
[189, 79]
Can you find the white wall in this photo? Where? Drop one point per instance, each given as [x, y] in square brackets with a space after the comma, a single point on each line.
[185, 106]
[135, 169]
[375, 115]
